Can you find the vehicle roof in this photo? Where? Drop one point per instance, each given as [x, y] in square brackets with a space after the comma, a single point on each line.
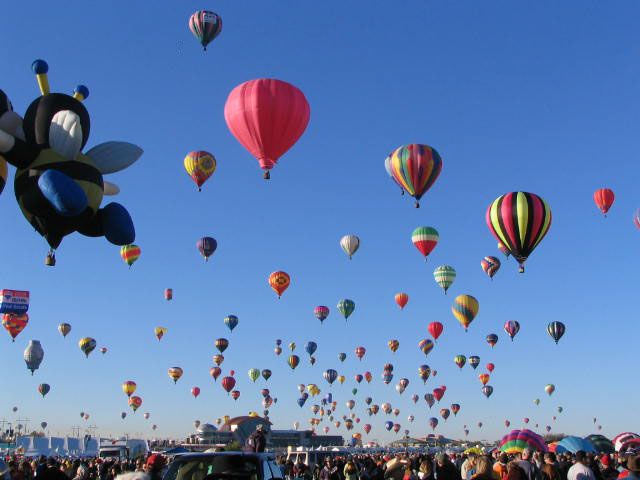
[260, 456]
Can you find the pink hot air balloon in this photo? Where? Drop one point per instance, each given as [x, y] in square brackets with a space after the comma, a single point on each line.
[267, 116]
[360, 351]
[195, 391]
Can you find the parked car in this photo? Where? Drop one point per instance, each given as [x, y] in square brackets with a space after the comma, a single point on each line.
[224, 466]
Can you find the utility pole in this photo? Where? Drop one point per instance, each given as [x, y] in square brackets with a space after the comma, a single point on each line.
[75, 431]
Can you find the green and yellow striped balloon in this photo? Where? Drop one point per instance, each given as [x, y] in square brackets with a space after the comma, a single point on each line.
[465, 308]
[444, 276]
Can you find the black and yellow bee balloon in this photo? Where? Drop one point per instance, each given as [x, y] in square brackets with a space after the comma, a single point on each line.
[58, 188]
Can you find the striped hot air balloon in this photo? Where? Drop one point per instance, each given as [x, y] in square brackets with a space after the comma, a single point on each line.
[415, 168]
[490, 266]
[465, 308]
[520, 220]
[205, 26]
[350, 244]
[444, 276]
[87, 345]
[425, 239]
[556, 330]
[130, 254]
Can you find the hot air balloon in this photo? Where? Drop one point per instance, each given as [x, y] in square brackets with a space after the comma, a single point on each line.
[425, 346]
[358, 378]
[479, 424]
[507, 423]
[135, 402]
[393, 345]
[195, 391]
[425, 239]
[465, 308]
[360, 352]
[174, 374]
[350, 244]
[277, 350]
[484, 378]
[64, 329]
[556, 330]
[228, 383]
[455, 408]
[487, 390]
[311, 347]
[350, 404]
[424, 372]
[438, 393]
[444, 276]
[435, 329]
[14, 324]
[368, 376]
[401, 299]
[474, 361]
[43, 389]
[200, 166]
[293, 361]
[433, 423]
[215, 372]
[444, 413]
[103, 350]
[490, 367]
[292, 346]
[415, 168]
[346, 307]
[87, 345]
[537, 401]
[321, 312]
[207, 246]
[492, 339]
[549, 389]
[512, 327]
[604, 198]
[221, 344]
[367, 428]
[231, 321]
[517, 440]
[460, 361]
[130, 254]
[43, 425]
[123, 415]
[218, 359]
[519, 220]
[503, 249]
[168, 294]
[342, 356]
[159, 332]
[267, 116]
[205, 26]
[490, 266]
[254, 374]
[129, 387]
[279, 282]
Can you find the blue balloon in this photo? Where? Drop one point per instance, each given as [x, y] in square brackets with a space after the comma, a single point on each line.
[302, 401]
[231, 322]
[573, 444]
[63, 193]
[330, 375]
[118, 225]
[388, 425]
[311, 347]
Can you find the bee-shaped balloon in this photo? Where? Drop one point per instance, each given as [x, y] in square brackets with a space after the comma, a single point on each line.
[58, 188]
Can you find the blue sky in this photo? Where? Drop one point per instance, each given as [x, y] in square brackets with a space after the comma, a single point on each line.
[541, 98]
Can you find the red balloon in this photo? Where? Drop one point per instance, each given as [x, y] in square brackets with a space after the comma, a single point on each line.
[215, 372]
[228, 383]
[195, 391]
[267, 116]
[438, 393]
[604, 199]
[490, 367]
[435, 329]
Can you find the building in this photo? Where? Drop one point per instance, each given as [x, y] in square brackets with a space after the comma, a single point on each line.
[239, 428]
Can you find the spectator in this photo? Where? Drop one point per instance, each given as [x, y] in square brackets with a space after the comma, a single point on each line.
[579, 470]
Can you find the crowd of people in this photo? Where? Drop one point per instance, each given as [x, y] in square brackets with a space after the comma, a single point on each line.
[527, 465]
[51, 468]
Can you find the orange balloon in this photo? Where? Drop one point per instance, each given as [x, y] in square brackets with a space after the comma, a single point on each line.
[279, 282]
[402, 299]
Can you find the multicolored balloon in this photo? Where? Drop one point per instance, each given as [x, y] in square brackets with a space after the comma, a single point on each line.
[401, 299]
[487, 390]
[490, 266]
[425, 346]
[550, 388]
[512, 327]
[14, 324]
[474, 361]
[415, 168]
[425, 239]
[87, 345]
[64, 329]
[231, 321]
[321, 312]
[520, 220]
[492, 339]
[346, 307]
[129, 387]
[465, 308]
[43, 389]
[205, 26]
[200, 166]
[460, 361]
[130, 253]
[175, 373]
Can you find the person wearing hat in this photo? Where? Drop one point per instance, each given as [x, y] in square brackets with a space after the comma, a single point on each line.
[606, 468]
[445, 470]
[154, 466]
